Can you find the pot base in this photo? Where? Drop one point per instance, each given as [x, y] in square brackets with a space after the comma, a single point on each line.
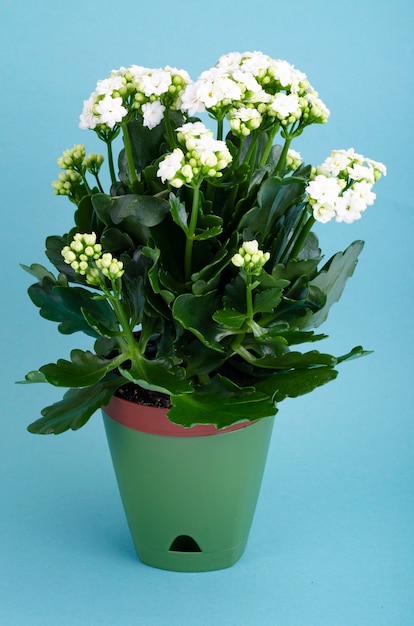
[177, 561]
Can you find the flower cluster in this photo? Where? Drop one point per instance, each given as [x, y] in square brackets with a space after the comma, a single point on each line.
[135, 89]
[75, 164]
[250, 258]
[85, 257]
[251, 90]
[341, 187]
[199, 157]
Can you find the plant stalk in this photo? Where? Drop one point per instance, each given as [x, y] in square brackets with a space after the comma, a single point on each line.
[129, 156]
[188, 254]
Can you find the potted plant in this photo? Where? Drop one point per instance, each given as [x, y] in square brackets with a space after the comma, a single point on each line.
[197, 276]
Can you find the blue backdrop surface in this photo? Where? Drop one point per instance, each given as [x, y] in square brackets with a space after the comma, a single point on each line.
[332, 540]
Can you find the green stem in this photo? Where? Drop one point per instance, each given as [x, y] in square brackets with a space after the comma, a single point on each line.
[85, 182]
[220, 129]
[169, 130]
[110, 160]
[269, 145]
[282, 159]
[130, 159]
[251, 150]
[304, 232]
[98, 182]
[236, 344]
[188, 254]
[128, 335]
[249, 297]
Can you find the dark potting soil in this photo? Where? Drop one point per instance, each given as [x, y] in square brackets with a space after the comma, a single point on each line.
[136, 394]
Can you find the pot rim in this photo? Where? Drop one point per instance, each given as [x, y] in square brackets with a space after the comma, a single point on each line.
[154, 421]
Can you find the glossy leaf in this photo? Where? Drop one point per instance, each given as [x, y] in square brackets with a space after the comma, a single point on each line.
[195, 313]
[293, 384]
[158, 375]
[83, 370]
[332, 278]
[66, 305]
[222, 403]
[76, 407]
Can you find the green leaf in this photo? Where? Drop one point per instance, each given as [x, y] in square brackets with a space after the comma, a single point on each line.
[33, 377]
[230, 318]
[158, 375]
[66, 305]
[84, 216]
[38, 271]
[332, 278]
[179, 212]
[54, 245]
[76, 407]
[116, 241]
[145, 144]
[144, 210]
[267, 300]
[154, 274]
[83, 370]
[195, 313]
[355, 353]
[295, 383]
[296, 360]
[208, 233]
[220, 402]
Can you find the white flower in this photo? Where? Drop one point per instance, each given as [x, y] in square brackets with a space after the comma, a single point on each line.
[156, 82]
[137, 72]
[170, 165]
[254, 62]
[282, 71]
[246, 114]
[153, 113]
[247, 79]
[379, 168]
[349, 208]
[190, 100]
[323, 212]
[363, 189]
[318, 110]
[106, 86]
[324, 190]
[336, 162]
[229, 61]
[87, 119]
[194, 128]
[285, 105]
[111, 111]
[361, 172]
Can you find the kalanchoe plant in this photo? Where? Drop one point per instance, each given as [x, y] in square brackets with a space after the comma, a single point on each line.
[198, 274]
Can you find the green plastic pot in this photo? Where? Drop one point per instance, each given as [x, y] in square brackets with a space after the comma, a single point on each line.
[189, 494]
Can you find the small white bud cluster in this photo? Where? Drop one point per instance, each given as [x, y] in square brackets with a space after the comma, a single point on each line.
[66, 183]
[250, 258]
[75, 163]
[201, 156]
[85, 257]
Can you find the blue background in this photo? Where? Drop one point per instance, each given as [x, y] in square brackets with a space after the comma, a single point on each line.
[332, 540]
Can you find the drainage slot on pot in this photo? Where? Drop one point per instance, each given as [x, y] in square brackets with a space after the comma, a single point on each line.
[184, 543]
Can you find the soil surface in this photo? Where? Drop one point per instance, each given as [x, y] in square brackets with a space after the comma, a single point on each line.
[136, 394]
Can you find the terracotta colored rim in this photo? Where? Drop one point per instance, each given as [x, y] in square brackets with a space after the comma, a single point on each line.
[154, 420]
